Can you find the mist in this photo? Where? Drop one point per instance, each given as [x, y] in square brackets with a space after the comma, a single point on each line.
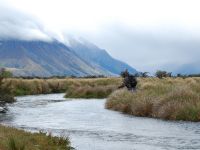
[166, 48]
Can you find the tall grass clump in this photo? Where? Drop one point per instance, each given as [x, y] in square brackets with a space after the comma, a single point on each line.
[12, 145]
[92, 88]
[169, 98]
[37, 86]
[74, 87]
[6, 95]
[14, 139]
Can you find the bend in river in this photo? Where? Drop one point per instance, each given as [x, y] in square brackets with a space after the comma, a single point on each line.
[91, 127]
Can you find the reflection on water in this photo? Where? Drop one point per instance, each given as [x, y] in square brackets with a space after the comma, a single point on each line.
[91, 127]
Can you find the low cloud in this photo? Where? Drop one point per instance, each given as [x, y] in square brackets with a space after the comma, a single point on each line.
[17, 25]
[150, 49]
[147, 48]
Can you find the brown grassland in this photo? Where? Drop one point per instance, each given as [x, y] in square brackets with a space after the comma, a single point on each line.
[167, 98]
[93, 88]
[74, 88]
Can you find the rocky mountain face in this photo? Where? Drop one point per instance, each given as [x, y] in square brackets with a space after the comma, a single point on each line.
[40, 58]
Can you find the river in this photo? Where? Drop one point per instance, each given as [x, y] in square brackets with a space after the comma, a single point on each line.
[92, 127]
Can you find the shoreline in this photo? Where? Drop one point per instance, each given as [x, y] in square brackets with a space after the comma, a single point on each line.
[12, 138]
[168, 99]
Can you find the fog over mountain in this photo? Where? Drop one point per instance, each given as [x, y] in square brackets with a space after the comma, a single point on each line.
[16, 25]
[28, 49]
[167, 37]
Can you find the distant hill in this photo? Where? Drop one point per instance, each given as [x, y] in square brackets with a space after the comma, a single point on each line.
[39, 58]
[186, 69]
[98, 58]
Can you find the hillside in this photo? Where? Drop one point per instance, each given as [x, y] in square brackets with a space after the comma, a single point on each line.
[40, 58]
[98, 58]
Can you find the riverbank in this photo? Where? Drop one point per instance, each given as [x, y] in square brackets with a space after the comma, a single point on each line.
[93, 88]
[74, 87]
[14, 139]
[169, 98]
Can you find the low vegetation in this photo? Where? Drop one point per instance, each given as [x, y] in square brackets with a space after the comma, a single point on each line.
[6, 95]
[75, 87]
[173, 98]
[36, 86]
[163, 74]
[167, 98]
[92, 88]
[14, 139]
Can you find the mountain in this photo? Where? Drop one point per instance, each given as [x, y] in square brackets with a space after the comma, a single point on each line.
[98, 58]
[186, 69]
[40, 58]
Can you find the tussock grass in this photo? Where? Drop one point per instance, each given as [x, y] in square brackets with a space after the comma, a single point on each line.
[92, 88]
[169, 98]
[6, 95]
[14, 139]
[36, 86]
[74, 88]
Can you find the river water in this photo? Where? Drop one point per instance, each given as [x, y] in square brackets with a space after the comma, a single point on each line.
[91, 127]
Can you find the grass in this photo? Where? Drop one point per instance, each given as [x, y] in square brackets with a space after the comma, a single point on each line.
[14, 139]
[76, 88]
[36, 86]
[168, 98]
[92, 88]
[6, 95]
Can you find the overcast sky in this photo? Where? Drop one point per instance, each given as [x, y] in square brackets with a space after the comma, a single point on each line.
[147, 34]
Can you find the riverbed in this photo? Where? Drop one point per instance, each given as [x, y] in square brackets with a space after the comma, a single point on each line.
[92, 127]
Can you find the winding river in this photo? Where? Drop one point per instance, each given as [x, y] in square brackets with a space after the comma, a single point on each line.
[91, 127]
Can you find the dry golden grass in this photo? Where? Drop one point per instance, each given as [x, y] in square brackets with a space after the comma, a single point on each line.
[37, 86]
[77, 88]
[14, 139]
[92, 88]
[169, 98]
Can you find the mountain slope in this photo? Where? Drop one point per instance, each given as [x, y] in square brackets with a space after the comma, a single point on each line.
[191, 68]
[38, 58]
[98, 58]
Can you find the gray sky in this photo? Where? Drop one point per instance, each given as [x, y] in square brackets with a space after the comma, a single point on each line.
[147, 34]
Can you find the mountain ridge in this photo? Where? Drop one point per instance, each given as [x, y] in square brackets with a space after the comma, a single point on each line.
[98, 57]
[52, 58]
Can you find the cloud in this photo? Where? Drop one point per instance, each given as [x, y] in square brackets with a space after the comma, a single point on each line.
[17, 25]
[148, 37]
[150, 49]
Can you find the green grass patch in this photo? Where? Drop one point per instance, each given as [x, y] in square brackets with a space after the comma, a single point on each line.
[14, 139]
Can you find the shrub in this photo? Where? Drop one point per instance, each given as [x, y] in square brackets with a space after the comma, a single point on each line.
[5, 90]
[161, 74]
[129, 80]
